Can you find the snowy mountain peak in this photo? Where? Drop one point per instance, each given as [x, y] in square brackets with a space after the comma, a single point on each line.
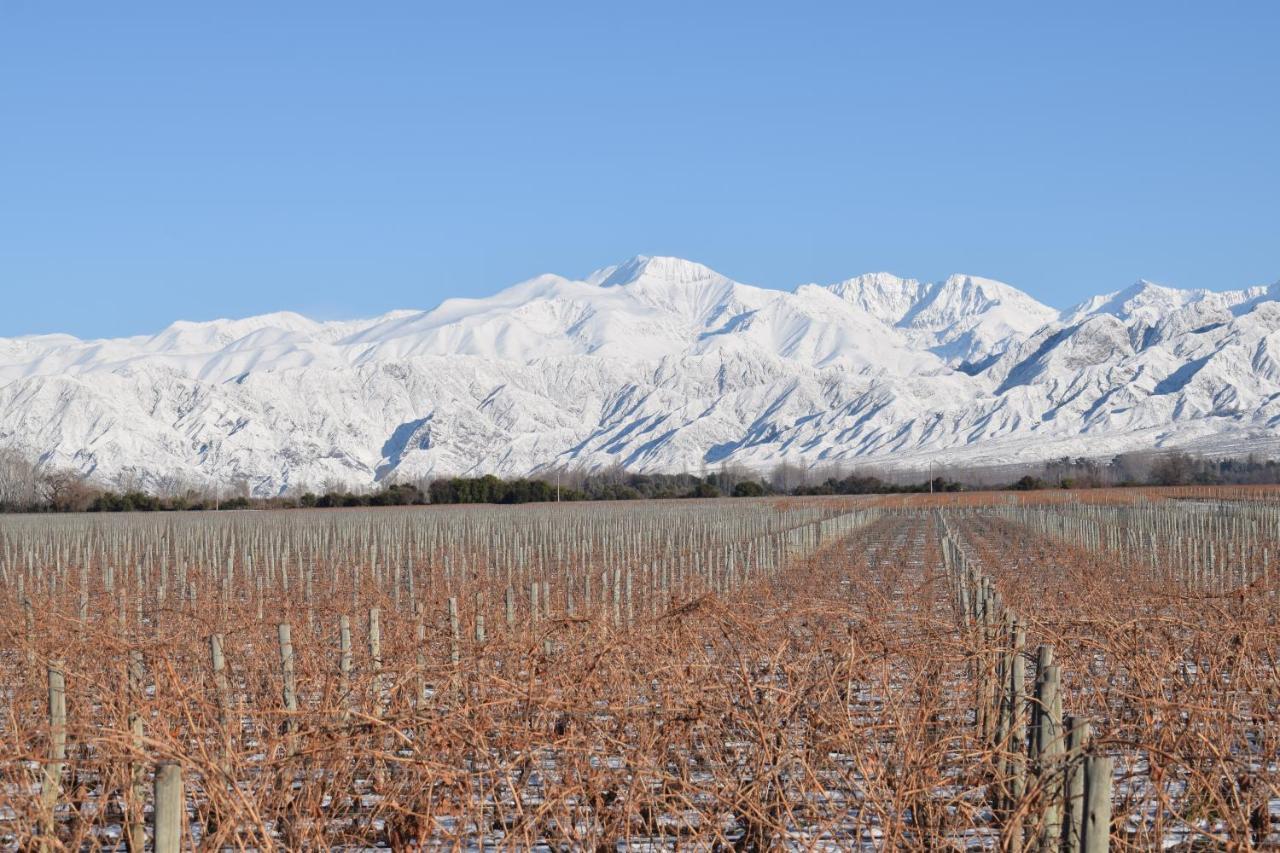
[960, 297]
[909, 302]
[1151, 303]
[963, 318]
[647, 268]
[1143, 293]
[885, 296]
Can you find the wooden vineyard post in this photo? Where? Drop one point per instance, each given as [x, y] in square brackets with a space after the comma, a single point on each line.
[455, 646]
[630, 610]
[1073, 786]
[848, 683]
[344, 658]
[455, 634]
[375, 663]
[29, 618]
[1097, 804]
[617, 598]
[420, 663]
[1000, 731]
[170, 809]
[51, 787]
[1050, 749]
[1035, 745]
[307, 594]
[222, 687]
[1015, 749]
[375, 655]
[220, 683]
[290, 691]
[135, 826]
[987, 667]
[395, 587]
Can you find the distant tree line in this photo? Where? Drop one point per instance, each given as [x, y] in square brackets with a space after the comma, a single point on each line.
[1151, 469]
[494, 490]
[25, 487]
[855, 484]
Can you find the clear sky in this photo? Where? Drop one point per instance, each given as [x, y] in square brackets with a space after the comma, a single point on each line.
[197, 160]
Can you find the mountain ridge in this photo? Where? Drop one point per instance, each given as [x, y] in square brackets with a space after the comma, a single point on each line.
[656, 363]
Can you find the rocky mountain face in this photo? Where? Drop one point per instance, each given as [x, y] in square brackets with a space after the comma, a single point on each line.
[657, 364]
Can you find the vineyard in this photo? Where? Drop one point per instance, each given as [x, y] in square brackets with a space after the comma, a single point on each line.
[1075, 671]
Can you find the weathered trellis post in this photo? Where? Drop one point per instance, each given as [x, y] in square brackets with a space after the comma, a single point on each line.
[1044, 659]
[83, 610]
[1049, 742]
[171, 811]
[617, 598]
[630, 610]
[135, 827]
[344, 657]
[455, 646]
[1013, 748]
[223, 689]
[288, 681]
[1073, 787]
[29, 618]
[1097, 803]
[420, 662]
[51, 786]
[1000, 730]
[989, 665]
[395, 586]
[375, 654]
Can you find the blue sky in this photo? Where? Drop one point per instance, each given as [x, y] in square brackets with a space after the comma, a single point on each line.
[179, 160]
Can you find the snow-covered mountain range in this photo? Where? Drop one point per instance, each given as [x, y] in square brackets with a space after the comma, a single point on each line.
[658, 364]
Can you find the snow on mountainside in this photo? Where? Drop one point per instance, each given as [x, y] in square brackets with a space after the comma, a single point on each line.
[658, 364]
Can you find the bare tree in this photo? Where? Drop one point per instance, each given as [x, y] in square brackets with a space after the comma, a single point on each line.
[786, 476]
[19, 480]
[65, 491]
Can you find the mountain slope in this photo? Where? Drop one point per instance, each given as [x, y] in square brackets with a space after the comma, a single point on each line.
[657, 364]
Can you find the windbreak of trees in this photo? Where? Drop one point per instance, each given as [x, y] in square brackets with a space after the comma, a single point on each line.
[855, 484]
[493, 490]
[617, 485]
[399, 494]
[611, 485]
[395, 494]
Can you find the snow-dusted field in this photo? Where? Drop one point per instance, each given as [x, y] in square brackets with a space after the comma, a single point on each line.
[750, 674]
